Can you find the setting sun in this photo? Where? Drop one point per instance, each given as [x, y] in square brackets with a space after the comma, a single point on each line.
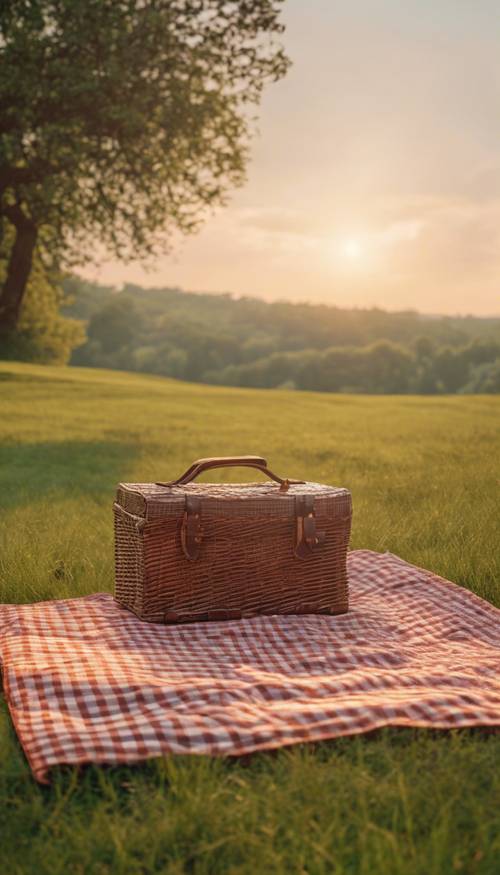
[352, 248]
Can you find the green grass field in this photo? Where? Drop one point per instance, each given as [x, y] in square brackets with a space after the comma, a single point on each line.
[424, 476]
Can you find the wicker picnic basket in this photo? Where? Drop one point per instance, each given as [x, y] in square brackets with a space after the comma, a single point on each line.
[203, 551]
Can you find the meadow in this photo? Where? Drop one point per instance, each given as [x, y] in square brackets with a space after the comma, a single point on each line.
[424, 476]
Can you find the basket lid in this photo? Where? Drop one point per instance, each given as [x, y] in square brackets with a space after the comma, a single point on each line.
[235, 499]
[152, 500]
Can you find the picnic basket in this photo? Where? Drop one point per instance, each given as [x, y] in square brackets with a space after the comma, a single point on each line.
[188, 551]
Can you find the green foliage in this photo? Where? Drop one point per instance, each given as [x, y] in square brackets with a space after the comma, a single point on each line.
[124, 121]
[247, 342]
[115, 326]
[43, 334]
[484, 378]
[423, 473]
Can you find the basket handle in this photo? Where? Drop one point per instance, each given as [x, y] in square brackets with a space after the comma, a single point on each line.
[201, 465]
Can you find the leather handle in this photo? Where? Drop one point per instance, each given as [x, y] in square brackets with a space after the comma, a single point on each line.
[215, 462]
[201, 465]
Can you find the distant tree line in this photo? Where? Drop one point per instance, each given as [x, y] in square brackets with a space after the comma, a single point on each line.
[249, 342]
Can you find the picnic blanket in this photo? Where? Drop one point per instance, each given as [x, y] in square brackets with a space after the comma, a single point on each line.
[86, 681]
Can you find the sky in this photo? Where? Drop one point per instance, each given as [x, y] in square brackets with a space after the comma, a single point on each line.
[375, 174]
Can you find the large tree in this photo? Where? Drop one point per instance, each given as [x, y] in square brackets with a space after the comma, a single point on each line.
[122, 121]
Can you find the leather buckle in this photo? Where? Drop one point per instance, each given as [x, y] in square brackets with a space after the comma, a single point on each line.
[191, 529]
[307, 537]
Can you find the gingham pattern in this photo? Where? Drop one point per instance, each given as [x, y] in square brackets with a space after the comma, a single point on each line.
[86, 681]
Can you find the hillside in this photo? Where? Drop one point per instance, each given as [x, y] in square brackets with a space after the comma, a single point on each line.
[423, 475]
[248, 342]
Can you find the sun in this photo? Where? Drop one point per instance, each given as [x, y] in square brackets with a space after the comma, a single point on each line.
[352, 249]
[351, 254]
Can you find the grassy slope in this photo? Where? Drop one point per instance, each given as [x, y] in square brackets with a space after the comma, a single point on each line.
[424, 478]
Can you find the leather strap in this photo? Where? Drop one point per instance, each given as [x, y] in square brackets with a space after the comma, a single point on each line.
[307, 536]
[191, 531]
[201, 465]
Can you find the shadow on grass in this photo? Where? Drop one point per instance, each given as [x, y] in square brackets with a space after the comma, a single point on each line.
[12, 377]
[62, 469]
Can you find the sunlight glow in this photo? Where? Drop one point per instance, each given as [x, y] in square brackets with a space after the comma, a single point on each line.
[351, 248]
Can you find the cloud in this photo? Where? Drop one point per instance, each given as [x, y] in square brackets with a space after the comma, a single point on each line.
[276, 220]
[398, 232]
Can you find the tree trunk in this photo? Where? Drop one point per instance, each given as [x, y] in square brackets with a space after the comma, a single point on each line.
[18, 271]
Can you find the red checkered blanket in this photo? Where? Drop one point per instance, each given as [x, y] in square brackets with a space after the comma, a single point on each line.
[86, 681]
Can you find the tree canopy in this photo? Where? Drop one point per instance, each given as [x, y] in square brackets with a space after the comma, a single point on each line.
[122, 121]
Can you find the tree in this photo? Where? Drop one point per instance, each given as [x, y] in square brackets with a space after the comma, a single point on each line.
[451, 369]
[43, 334]
[115, 325]
[388, 368]
[123, 121]
[484, 378]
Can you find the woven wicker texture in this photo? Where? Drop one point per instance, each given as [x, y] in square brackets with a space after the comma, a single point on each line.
[247, 563]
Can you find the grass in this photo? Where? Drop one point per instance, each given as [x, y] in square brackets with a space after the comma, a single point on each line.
[424, 477]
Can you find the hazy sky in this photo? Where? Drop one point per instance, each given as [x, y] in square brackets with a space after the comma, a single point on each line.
[375, 179]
